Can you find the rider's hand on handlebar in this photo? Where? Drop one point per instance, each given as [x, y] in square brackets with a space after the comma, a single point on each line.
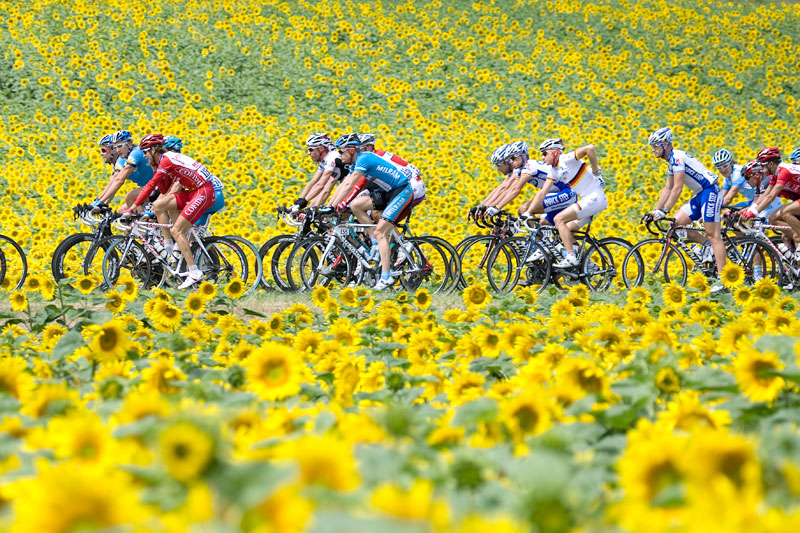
[647, 218]
[747, 214]
[658, 214]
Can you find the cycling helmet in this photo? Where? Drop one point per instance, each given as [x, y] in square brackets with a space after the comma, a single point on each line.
[768, 154]
[795, 156]
[367, 138]
[518, 148]
[750, 167]
[173, 144]
[318, 139]
[721, 157]
[347, 140]
[660, 136]
[498, 155]
[551, 144]
[152, 140]
[107, 140]
[122, 135]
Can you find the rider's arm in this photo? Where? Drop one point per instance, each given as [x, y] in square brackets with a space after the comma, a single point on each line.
[730, 194]
[345, 188]
[498, 192]
[116, 182]
[538, 200]
[512, 191]
[325, 193]
[671, 192]
[590, 152]
[147, 190]
[763, 201]
[311, 185]
[316, 195]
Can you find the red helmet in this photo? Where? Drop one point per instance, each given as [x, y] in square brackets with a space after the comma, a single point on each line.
[751, 167]
[768, 154]
[149, 141]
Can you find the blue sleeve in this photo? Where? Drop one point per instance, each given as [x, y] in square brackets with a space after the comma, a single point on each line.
[736, 177]
[363, 163]
[119, 164]
[726, 184]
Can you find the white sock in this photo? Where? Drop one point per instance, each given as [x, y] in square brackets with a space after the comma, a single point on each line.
[169, 246]
[194, 268]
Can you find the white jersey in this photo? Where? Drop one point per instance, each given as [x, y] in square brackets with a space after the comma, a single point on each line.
[536, 172]
[577, 174]
[698, 177]
[333, 162]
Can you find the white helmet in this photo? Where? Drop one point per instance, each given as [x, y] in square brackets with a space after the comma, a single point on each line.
[660, 136]
[517, 148]
[318, 139]
[551, 144]
[721, 157]
[497, 155]
[413, 172]
[366, 138]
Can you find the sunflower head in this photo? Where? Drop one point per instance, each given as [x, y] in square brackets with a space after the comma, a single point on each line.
[85, 284]
[18, 301]
[234, 289]
[207, 290]
[732, 275]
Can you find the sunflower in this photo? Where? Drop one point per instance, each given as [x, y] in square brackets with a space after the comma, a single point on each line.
[476, 297]
[234, 289]
[161, 375]
[674, 295]
[18, 301]
[668, 380]
[324, 461]
[110, 342]
[699, 281]
[639, 295]
[348, 297]
[14, 377]
[127, 287]
[187, 450]
[166, 317]
[207, 290]
[275, 324]
[320, 295]
[275, 371]
[51, 333]
[766, 289]
[115, 302]
[732, 275]
[686, 412]
[85, 284]
[422, 299]
[527, 413]
[48, 289]
[755, 373]
[195, 304]
[742, 295]
[33, 283]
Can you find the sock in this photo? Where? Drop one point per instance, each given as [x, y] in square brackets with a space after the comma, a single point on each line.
[571, 254]
[374, 241]
[385, 274]
[758, 271]
[194, 268]
[169, 246]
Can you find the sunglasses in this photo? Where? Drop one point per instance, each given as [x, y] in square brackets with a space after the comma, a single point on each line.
[105, 149]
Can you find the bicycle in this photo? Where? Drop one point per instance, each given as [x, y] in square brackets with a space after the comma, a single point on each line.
[13, 264]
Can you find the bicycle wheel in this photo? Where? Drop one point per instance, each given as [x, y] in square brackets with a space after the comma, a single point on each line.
[221, 260]
[757, 259]
[474, 255]
[322, 262]
[454, 263]
[617, 248]
[16, 263]
[126, 256]
[423, 261]
[69, 255]
[275, 279]
[255, 267]
[651, 257]
[3, 269]
[597, 267]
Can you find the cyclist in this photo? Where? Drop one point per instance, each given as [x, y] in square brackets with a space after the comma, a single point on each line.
[131, 164]
[107, 149]
[584, 179]
[175, 171]
[395, 195]
[367, 142]
[795, 156]
[733, 182]
[330, 170]
[175, 144]
[784, 182]
[683, 169]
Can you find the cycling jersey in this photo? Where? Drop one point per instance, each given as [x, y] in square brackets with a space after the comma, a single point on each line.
[389, 156]
[191, 174]
[142, 170]
[737, 180]
[577, 174]
[384, 174]
[333, 162]
[538, 173]
[788, 175]
[697, 178]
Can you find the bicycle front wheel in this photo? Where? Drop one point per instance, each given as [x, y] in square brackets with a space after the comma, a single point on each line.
[221, 261]
[126, 256]
[16, 264]
[255, 267]
[654, 257]
[322, 263]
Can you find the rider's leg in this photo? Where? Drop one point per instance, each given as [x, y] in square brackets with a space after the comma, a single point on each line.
[131, 197]
[162, 207]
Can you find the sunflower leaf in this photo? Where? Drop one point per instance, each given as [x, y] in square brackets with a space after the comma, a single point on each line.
[67, 344]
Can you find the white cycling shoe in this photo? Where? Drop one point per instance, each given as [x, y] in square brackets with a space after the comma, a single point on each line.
[568, 262]
[192, 277]
[384, 284]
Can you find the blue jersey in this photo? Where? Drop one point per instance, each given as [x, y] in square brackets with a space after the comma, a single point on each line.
[142, 171]
[737, 180]
[537, 173]
[379, 172]
[697, 178]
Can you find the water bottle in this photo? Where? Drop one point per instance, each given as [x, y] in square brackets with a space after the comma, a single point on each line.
[158, 244]
[697, 249]
[562, 252]
[785, 250]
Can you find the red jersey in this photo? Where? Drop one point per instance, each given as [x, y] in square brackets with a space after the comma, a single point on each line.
[788, 175]
[177, 167]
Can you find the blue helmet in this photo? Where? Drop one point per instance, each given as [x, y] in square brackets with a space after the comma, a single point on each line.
[660, 136]
[106, 140]
[795, 156]
[173, 144]
[122, 135]
[347, 140]
[518, 148]
[498, 156]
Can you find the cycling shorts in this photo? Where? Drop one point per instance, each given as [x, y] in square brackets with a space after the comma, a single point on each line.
[591, 204]
[555, 202]
[219, 203]
[397, 201]
[706, 204]
[194, 203]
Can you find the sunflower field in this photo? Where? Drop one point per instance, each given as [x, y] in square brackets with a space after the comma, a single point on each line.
[661, 408]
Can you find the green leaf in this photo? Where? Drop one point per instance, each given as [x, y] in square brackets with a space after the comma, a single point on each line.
[139, 428]
[67, 344]
[707, 378]
[480, 410]
[247, 484]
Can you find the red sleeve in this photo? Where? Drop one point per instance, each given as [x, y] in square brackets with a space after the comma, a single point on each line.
[156, 181]
[783, 176]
